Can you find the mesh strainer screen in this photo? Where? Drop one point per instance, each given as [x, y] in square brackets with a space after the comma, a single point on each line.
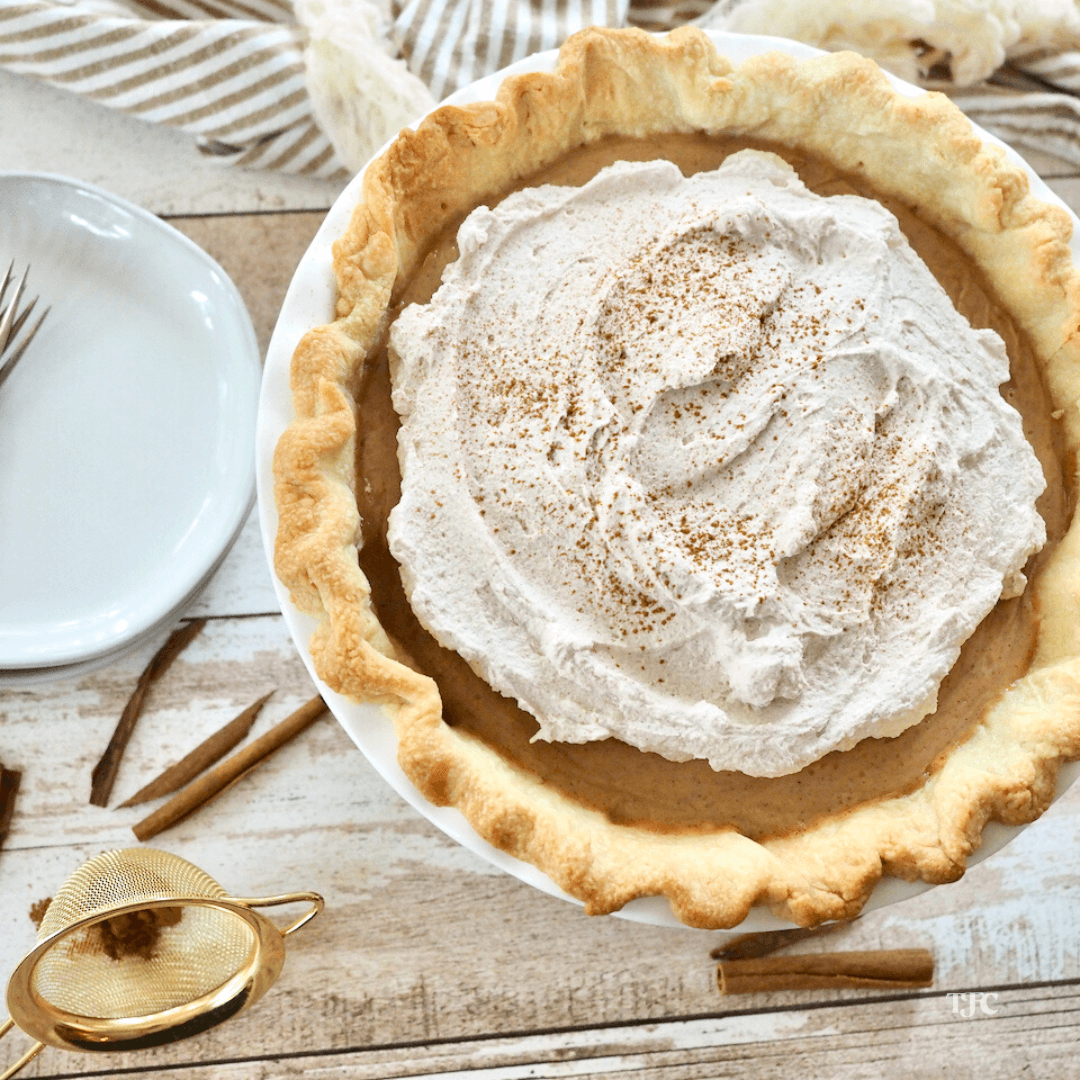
[144, 964]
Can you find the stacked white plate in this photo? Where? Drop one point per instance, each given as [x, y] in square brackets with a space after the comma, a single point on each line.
[126, 431]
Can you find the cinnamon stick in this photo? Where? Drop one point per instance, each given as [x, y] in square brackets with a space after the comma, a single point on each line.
[883, 969]
[201, 758]
[211, 784]
[748, 946]
[9, 788]
[104, 774]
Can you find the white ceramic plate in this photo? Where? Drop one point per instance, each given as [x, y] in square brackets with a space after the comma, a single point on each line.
[310, 302]
[126, 432]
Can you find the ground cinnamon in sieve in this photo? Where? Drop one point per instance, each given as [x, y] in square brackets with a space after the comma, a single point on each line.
[135, 933]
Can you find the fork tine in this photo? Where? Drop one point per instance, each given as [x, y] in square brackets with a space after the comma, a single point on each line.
[7, 280]
[20, 320]
[7, 364]
[8, 317]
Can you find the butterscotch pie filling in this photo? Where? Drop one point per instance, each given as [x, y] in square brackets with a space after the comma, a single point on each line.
[645, 524]
[612, 776]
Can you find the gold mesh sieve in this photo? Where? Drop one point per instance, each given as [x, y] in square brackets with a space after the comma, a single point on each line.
[140, 948]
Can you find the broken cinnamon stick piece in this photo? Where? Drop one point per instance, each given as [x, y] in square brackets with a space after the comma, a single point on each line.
[104, 774]
[883, 969]
[9, 788]
[211, 784]
[201, 758]
[749, 946]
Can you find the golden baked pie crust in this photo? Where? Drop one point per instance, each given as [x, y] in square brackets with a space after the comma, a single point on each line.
[843, 110]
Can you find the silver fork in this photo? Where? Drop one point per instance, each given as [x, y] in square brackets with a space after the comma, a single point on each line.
[12, 321]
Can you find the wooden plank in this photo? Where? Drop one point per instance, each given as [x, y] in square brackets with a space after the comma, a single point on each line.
[397, 957]
[242, 584]
[46, 129]
[259, 252]
[1023, 1031]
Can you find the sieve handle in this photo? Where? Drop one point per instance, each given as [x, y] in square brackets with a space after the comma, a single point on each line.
[312, 898]
[29, 1056]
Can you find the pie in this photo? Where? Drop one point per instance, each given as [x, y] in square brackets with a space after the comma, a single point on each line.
[606, 820]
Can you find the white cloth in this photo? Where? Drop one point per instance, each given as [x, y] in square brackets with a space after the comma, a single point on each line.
[958, 41]
[1011, 65]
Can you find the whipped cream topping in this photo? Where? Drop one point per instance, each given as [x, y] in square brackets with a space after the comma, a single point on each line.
[711, 465]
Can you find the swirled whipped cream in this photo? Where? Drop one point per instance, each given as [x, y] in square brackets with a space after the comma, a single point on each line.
[711, 465]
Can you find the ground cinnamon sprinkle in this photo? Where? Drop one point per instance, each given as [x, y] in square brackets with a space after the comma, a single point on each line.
[38, 909]
[135, 933]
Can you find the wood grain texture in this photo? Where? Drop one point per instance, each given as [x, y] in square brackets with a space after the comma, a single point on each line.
[103, 775]
[200, 757]
[242, 584]
[1031, 1031]
[421, 941]
[216, 781]
[259, 252]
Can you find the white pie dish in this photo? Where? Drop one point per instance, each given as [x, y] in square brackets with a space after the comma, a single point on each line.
[126, 468]
[309, 303]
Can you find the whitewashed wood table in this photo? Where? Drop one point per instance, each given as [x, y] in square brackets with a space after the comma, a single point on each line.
[426, 961]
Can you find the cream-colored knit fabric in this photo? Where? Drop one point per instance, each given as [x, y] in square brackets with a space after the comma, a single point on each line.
[961, 41]
[360, 94]
[1012, 65]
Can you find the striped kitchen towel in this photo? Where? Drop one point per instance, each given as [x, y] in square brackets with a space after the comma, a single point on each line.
[315, 86]
[450, 43]
[1034, 101]
[245, 77]
[231, 74]
[312, 87]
